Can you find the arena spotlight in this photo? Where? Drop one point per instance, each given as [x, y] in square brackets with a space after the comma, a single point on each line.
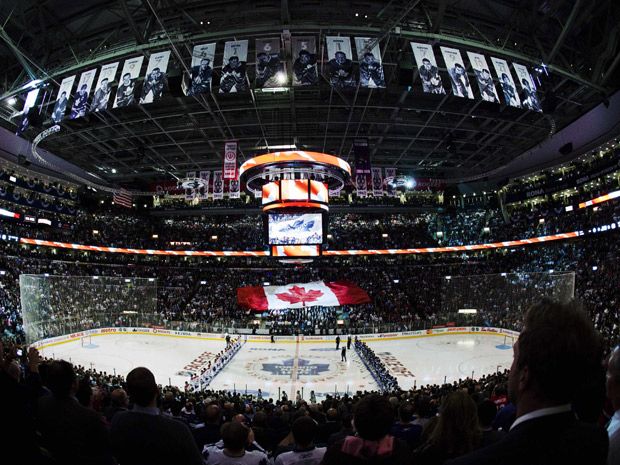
[12, 101]
[281, 77]
[594, 268]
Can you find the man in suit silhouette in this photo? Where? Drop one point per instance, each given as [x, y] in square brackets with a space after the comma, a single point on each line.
[613, 393]
[557, 351]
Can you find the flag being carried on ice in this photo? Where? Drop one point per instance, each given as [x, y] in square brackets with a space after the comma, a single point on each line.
[326, 294]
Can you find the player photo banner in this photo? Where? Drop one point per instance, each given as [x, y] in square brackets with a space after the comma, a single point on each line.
[218, 185]
[269, 67]
[24, 123]
[230, 160]
[457, 72]
[203, 57]
[488, 92]
[369, 59]
[390, 175]
[234, 189]
[234, 65]
[427, 68]
[304, 67]
[377, 182]
[104, 87]
[340, 70]
[506, 82]
[361, 153]
[80, 99]
[62, 99]
[204, 191]
[125, 94]
[155, 79]
[529, 96]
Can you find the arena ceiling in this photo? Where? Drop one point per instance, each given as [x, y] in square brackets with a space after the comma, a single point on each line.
[424, 135]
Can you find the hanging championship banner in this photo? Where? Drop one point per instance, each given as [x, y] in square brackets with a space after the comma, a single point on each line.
[203, 57]
[369, 59]
[360, 185]
[127, 85]
[529, 97]
[427, 68]
[230, 160]
[204, 191]
[483, 77]
[377, 182]
[103, 89]
[269, 67]
[361, 153]
[505, 79]
[340, 70]
[234, 77]
[218, 185]
[155, 79]
[80, 99]
[304, 67]
[390, 174]
[234, 189]
[62, 99]
[456, 71]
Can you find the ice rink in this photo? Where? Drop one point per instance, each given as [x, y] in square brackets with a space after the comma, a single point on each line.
[290, 366]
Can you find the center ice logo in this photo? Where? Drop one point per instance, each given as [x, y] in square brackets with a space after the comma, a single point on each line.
[305, 368]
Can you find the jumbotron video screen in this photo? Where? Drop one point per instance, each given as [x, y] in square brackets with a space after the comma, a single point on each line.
[295, 228]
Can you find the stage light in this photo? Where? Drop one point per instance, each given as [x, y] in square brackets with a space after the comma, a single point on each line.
[281, 77]
[12, 101]
[410, 183]
[113, 170]
[594, 268]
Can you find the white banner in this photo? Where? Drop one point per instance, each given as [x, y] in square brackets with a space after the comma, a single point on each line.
[483, 77]
[390, 174]
[155, 79]
[304, 67]
[230, 160]
[457, 72]
[427, 68]
[80, 99]
[234, 189]
[529, 97]
[377, 182]
[233, 78]
[340, 71]
[269, 67]
[506, 82]
[204, 191]
[203, 57]
[103, 89]
[361, 185]
[369, 59]
[218, 185]
[125, 94]
[62, 99]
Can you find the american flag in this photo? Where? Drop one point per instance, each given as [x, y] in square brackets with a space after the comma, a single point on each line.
[123, 198]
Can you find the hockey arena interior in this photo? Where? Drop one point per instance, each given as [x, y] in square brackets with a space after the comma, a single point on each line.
[296, 233]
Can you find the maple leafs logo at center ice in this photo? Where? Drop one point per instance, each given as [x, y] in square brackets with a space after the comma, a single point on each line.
[298, 294]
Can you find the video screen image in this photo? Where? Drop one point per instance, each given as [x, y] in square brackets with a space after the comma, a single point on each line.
[295, 228]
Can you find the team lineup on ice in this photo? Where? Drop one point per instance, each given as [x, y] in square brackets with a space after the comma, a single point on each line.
[289, 366]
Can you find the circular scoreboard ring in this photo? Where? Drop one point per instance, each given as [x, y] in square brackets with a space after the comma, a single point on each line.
[260, 170]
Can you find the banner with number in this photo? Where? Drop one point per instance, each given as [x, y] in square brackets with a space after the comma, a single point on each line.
[125, 93]
[529, 96]
[369, 59]
[230, 160]
[204, 191]
[104, 88]
[234, 65]
[361, 153]
[155, 79]
[506, 82]
[218, 185]
[340, 69]
[203, 57]
[80, 99]
[234, 189]
[361, 185]
[390, 175]
[427, 68]
[488, 92]
[60, 108]
[457, 72]
[304, 67]
[377, 182]
[269, 65]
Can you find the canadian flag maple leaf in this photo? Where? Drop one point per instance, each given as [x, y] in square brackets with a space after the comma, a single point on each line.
[298, 294]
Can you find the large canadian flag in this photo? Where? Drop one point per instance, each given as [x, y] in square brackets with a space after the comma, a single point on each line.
[332, 294]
